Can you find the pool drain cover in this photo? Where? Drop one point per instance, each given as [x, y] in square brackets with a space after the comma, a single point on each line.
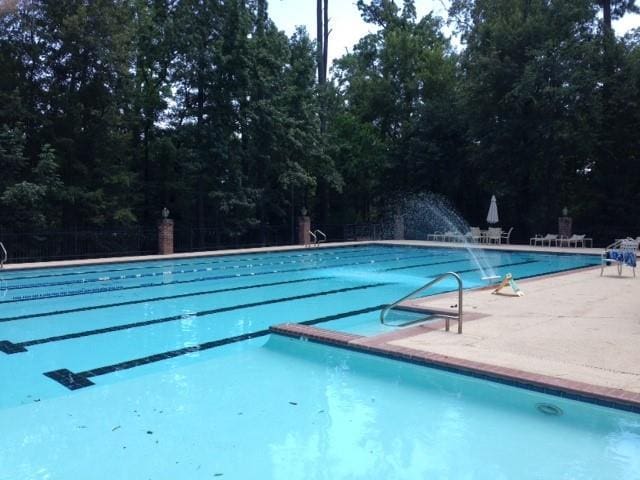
[549, 409]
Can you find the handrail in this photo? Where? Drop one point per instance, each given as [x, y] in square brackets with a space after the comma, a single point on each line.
[315, 239]
[436, 280]
[4, 255]
[314, 235]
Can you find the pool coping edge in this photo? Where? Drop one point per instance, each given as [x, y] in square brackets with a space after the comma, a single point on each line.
[603, 396]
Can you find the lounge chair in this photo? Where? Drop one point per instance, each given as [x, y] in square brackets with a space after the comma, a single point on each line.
[549, 237]
[435, 236]
[450, 236]
[575, 240]
[506, 236]
[621, 252]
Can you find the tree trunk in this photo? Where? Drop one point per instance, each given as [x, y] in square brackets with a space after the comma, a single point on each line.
[320, 43]
[322, 38]
[325, 40]
[606, 16]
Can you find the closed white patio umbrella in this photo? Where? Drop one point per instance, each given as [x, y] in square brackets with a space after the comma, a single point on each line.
[492, 215]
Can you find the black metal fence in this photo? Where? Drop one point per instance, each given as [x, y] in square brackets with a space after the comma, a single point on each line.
[78, 244]
[354, 232]
[203, 239]
[58, 245]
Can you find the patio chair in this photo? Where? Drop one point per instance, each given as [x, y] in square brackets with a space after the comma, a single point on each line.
[575, 240]
[450, 236]
[549, 237]
[460, 237]
[494, 235]
[475, 234]
[506, 236]
[435, 236]
[621, 252]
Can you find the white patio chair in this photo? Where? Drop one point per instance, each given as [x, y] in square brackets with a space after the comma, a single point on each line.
[575, 240]
[494, 235]
[536, 239]
[506, 236]
[450, 236]
[549, 237]
[435, 236]
[620, 253]
[475, 234]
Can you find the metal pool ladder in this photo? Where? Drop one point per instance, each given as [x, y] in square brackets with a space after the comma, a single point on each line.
[3, 260]
[433, 282]
[318, 237]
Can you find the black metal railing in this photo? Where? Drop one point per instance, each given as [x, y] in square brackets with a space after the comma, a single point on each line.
[95, 243]
[188, 239]
[355, 231]
[59, 245]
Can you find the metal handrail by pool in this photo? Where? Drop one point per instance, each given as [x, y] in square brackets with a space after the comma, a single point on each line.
[436, 280]
[4, 255]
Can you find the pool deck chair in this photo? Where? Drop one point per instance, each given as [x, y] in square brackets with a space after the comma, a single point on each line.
[575, 241]
[549, 237]
[494, 235]
[506, 236]
[475, 234]
[621, 252]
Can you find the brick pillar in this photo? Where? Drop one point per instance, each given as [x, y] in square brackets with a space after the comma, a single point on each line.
[165, 237]
[398, 227]
[565, 226]
[304, 225]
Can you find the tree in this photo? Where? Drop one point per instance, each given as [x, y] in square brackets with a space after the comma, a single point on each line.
[150, 89]
[614, 9]
[394, 83]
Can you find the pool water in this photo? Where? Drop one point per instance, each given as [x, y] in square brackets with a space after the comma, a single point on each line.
[166, 370]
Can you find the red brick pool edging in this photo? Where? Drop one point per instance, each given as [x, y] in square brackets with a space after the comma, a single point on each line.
[377, 345]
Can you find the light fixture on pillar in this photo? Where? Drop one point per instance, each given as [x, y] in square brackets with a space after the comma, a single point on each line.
[165, 213]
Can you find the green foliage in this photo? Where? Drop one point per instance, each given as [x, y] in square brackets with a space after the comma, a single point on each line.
[397, 86]
[113, 109]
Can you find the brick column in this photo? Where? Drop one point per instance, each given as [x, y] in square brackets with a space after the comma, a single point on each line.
[304, 225]
[165, 237]
[565, 226]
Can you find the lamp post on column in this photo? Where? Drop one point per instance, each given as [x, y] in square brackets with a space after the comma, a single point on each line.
[165, 234]
[304, 225]
[565, 224]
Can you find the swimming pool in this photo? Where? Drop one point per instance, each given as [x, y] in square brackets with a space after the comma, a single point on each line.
[166, 370]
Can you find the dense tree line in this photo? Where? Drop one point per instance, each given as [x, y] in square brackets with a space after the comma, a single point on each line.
[112, 109]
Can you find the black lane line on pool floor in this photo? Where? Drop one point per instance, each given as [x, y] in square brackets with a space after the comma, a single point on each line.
[90, 291]
[75, 381]
[13, 348]
[171, 297]
[464, 271]
[83, 281]
[158, 299]
[214, 261]
[9, 347]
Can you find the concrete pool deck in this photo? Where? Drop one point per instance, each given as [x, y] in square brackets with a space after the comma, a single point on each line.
[574, 333]
[576, 326]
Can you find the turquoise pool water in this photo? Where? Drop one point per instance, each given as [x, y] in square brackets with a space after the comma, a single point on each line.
[165, 370]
